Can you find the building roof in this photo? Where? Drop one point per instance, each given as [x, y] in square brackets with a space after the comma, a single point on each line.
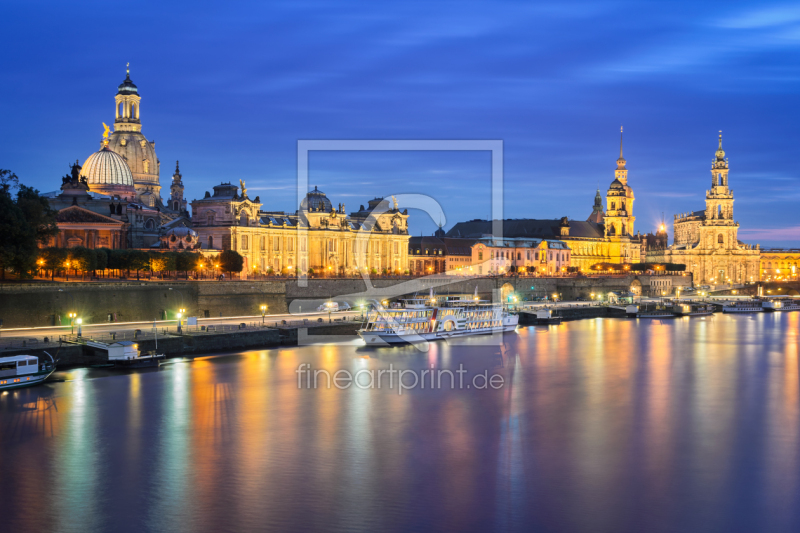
[127, 86]
[448, 246]
[316, 200]
[528, 227]
[106, 167]
[78, 215]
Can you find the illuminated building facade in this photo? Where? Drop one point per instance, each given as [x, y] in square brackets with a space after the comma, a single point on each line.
[318, 237]
[706, 241]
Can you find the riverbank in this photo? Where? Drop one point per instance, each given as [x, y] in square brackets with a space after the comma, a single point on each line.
[71, 353]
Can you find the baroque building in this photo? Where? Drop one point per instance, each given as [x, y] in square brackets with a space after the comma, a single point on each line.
[318, 237]
[119, 182]
[607, 236]
[707, 241]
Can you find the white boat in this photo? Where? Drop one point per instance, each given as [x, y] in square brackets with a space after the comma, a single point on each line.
[780, 303]
[18, 371]
[428, 319]
[745, 306]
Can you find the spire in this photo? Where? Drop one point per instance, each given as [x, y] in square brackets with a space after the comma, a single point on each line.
[621, 160]
[128, 69]
[177, 176]
[720, 152]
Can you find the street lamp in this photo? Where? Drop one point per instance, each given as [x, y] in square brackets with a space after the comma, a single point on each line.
[329, 305]
[80, 321]
[180, 314]
[263, 313]
[72, 317]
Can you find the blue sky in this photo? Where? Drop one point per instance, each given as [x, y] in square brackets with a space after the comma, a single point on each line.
[229, 89]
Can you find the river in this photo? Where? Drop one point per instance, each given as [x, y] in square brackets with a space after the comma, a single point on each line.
[602, 425]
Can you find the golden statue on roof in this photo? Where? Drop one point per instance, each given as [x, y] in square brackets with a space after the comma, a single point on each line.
[105, 134]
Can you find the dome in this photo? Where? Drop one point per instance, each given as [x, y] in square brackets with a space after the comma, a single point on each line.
[182, 232]
[616, 184]
[127, 86]
[106, 168]
[316, 201]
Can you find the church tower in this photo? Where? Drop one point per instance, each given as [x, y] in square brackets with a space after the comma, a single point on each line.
[597, 210]
[619, 217]
[129, 142]
[719, 229]
[176, 201]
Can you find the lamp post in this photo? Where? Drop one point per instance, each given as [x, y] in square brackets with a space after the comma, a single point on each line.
[329, 306]
[263, 313]
[79, 321]
[72, 317]
[180, 314]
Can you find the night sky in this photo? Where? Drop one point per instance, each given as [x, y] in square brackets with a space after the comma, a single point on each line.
[229, 88]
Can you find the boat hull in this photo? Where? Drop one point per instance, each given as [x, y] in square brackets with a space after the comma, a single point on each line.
[742, 310]
[18, 382]
[140, 362]
[383, 338]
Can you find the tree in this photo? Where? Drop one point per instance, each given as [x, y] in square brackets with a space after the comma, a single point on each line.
[162, 261]
[231, 261]
[38, 213]
[82, 259]
[101, 258]
[186, 261]
[135, 260]
[54, 259]
[25, 222]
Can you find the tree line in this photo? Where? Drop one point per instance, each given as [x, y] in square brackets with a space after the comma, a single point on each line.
[132, 262]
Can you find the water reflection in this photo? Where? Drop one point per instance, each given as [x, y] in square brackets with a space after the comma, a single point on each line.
[601, 425]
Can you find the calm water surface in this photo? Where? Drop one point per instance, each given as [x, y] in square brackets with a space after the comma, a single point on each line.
[603, 425]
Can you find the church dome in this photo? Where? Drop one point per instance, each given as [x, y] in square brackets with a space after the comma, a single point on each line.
[106, 169]
[316, 201]
[127, 86]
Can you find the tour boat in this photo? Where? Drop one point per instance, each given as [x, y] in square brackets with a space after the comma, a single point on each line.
[18, 371]
[419, 319]
[749, 306]
[693, 309]
[655, 313]
[780, 303]
[659, 311]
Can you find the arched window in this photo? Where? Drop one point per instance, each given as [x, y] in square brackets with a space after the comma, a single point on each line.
[720, 239]
[210, 242]
[121, 110]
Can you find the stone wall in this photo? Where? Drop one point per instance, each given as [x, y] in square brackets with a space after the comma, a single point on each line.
[47, 304]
